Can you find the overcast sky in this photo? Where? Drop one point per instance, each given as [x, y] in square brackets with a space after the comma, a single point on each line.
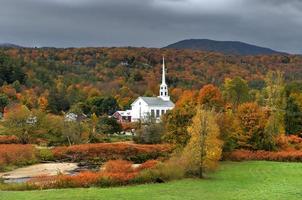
[152, 23]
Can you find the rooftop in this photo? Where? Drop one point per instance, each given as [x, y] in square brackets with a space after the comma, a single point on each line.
[157, 101]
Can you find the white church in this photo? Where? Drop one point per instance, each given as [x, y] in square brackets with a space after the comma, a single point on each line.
[145, 107]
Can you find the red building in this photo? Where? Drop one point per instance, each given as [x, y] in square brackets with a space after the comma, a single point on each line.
[122, 116]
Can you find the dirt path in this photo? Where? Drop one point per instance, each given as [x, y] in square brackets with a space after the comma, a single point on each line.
[48, 169]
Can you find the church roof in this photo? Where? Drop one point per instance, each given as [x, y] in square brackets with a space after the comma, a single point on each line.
[157, 101]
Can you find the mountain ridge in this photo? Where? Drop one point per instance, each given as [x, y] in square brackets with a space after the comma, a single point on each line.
[9, 45]
[226, 47]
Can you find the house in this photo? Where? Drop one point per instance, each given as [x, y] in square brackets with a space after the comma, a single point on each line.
[145, 107]
[122, 116]
[72, 117]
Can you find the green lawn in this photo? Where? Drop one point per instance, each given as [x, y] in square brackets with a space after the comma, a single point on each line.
[246, 180]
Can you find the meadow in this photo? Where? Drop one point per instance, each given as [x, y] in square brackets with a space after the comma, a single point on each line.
[234, 180]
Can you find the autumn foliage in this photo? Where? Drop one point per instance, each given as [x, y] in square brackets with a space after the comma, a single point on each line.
[204, 148]
[150, 164]
[210, 97]
[284, 156]
[252, 123]
[113, 173]
[16, 154]
[111, 151]
[9, 139]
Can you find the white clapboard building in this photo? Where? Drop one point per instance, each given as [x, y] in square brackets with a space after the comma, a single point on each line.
[145, 107]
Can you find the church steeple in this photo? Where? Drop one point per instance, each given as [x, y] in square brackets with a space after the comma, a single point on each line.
[163, 91]
[163, 80]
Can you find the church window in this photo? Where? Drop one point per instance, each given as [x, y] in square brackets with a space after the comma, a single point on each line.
[157, 113]
[161, 93]
[162, 112]
[165, 93]
[152, 113]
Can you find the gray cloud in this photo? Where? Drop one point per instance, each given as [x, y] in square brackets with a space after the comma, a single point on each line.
[152, 23]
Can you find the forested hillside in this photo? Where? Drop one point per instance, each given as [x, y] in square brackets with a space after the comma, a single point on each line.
[62, 79]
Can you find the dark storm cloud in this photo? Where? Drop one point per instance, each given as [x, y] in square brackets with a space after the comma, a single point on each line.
[62, 23]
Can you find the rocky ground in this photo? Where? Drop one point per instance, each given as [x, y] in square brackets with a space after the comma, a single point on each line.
[48, 169]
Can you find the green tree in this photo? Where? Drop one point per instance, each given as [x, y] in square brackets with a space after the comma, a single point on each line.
[10, 70]
[54, 126]
[74, 132]
[236, 91]
[230, 130]
[3, 102]
[293, 117]
[25, 124]
[102, 105]
[109, 126]
[293, 111]
[176, 124]
[57, 101]
[149, 133]
[17, 85]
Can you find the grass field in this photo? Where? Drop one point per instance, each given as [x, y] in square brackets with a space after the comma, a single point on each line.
[247, 180]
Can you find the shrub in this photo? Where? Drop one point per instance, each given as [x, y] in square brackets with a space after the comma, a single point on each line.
[161, 172]
[9, 139]
[295, 142]
[114, 173]
[293, 139]
[16, 154]
[150, 164]
[111, 151]
[149, 134]
[118, 166]
[289, 143]
[84, 179]
[45, 155]
[109, 126]
[284, 156]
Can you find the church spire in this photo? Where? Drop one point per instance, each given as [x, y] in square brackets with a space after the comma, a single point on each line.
[163, 91]
[163, 80]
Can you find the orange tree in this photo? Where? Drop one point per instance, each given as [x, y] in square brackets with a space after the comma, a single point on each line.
[210, 97]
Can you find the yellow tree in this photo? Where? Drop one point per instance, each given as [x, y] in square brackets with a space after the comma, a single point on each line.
[177, 121]
[94, 123]
[203, 151]
[252, 121]
[24, 123]
[276, 104]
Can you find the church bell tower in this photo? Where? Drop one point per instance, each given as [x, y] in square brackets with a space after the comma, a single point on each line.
[163, 90]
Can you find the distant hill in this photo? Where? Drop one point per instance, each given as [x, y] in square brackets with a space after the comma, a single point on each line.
[227, 47]
[9, 45]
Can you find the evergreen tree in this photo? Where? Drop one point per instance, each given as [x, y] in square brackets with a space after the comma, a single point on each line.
[293, 117]
[10, 70]
[3, 102]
